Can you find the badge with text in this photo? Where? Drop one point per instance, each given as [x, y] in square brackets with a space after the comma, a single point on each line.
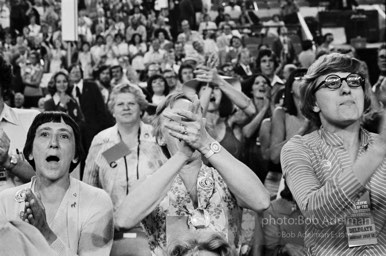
[176, 227]
[360, 226]
[116, 152]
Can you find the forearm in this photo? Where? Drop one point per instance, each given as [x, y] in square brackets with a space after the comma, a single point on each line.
[144, 198]
[275, 151]
[241, 181]
[250, 128]
[237, 97]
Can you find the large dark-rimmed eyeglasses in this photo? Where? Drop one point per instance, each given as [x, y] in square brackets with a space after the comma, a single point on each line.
[334, 82]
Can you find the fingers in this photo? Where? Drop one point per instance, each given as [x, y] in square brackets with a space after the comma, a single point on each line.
[178, 135]
[34, 202]
[178, 127]
[196, 105]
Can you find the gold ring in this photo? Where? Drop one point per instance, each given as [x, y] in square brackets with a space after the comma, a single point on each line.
[185, 131]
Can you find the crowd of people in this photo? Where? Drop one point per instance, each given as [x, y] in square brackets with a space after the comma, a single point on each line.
[159, 132]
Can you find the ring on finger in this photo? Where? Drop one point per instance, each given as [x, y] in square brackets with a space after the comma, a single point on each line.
[184, 130]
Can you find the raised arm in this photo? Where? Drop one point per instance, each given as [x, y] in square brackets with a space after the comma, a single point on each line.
[210, 75]
[142, 200]
[277, 134]
[241, 181]
[250, 128]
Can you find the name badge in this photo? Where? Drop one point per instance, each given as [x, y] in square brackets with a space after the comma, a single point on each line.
[115, 152]
[176, 228]
[360, 225]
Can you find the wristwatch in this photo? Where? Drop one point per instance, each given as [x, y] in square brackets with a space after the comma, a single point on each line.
[214, 148]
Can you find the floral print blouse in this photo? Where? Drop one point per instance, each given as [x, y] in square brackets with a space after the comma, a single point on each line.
[216, 205]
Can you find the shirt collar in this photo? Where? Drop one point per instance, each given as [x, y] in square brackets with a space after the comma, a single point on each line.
[334, 140]
[275, 80]
[79, 85]
[9, 115]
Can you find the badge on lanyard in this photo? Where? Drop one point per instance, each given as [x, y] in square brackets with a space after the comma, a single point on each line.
[360, 226]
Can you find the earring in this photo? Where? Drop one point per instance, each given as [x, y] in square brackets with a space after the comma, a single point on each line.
[30, 157]
[316, 109]
[75, 160]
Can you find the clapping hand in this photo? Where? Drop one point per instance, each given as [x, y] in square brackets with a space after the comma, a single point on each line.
[190, 126]
[35, 214]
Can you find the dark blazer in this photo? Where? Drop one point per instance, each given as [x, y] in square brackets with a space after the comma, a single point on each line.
[277, 47]
[72, 109]
[94, 111]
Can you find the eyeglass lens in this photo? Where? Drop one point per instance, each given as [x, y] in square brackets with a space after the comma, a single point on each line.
[334, 82]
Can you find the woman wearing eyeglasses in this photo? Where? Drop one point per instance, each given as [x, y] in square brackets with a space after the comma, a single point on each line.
[337, 173]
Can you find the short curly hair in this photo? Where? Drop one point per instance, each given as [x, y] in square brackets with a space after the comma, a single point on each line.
[126, 88]
[6, 76]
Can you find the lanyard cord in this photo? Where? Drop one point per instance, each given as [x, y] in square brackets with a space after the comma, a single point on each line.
[137, 167]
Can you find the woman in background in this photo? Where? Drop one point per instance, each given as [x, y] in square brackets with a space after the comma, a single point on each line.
[136, 156]
[62, 99]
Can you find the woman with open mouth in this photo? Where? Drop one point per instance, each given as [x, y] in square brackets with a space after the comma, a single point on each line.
[73, 217]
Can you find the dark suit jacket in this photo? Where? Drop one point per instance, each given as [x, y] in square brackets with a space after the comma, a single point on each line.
[94, 111]
[72, 110]
[277, 47]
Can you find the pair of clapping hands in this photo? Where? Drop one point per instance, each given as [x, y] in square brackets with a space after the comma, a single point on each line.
[188, 126]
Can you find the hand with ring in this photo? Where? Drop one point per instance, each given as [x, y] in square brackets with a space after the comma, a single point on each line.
[189, 126]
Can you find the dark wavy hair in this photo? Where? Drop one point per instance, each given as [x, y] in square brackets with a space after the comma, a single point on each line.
[132, 40]
[150, 87]
[52, 87]
[54, 117]
[269, 53]
[161, 30]
[226, 106]
[247, 84]
[289, 103]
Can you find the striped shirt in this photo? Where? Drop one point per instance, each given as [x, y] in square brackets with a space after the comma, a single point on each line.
[318, 170]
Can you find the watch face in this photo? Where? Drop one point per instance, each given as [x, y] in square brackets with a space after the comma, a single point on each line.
[216, 147]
